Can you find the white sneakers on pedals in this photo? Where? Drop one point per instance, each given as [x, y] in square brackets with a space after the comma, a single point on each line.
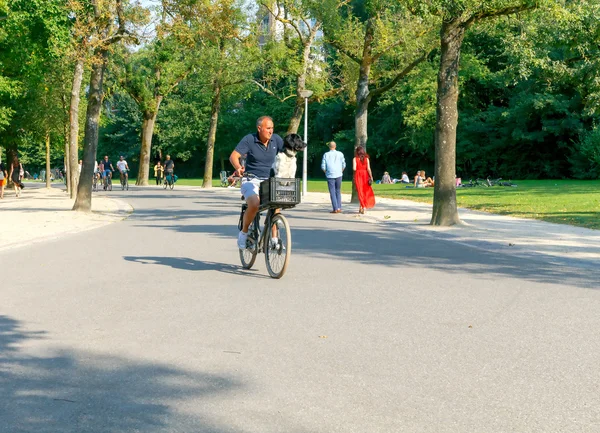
[242, 238]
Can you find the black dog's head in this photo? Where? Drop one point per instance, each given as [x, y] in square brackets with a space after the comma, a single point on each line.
[294, 142]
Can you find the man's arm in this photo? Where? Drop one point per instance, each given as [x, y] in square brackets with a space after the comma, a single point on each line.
[234, 159]
[324, 164]
[343, 162]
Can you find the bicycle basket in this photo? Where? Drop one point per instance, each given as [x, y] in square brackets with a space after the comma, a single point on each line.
[279, 192]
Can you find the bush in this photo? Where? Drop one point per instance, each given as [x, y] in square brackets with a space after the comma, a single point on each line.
[586, 156]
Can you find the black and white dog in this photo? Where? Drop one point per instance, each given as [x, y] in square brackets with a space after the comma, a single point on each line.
[285, 162]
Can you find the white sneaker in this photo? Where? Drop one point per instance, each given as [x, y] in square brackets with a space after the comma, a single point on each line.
[275, 244]
[241, 242]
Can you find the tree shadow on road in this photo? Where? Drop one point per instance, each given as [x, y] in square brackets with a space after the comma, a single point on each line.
[188, 264]
[74, 391]
[396, 247]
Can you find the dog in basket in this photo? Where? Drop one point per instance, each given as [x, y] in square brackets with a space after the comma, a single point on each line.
[285, 162]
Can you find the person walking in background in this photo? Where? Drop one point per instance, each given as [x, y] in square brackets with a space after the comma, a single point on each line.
[333, 165]
[363, 178]
[158, 172]
[3, 179]
[15, 175]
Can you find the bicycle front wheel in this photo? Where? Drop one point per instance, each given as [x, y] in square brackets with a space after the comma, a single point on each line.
[165, 184]
[248, 255]
[278, 246]
[172, 184]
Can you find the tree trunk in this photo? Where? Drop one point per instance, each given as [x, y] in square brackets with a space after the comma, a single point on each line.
[146, 150]
[83, 202]
[363, 97]
[66, 160]
[360, 119]
[301, 85]
[445, 212]
[48, 181]
[212, 134]
[296, 116]
[74, 129]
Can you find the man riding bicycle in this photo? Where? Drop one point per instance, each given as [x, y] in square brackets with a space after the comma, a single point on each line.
[108, 169]
[260, 149]
[169, 166]
[123, 167]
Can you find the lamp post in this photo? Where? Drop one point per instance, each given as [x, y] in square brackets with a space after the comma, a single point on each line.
[305, 94]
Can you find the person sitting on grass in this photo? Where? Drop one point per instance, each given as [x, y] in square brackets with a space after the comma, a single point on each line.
[419, 181]
[386, 178]
[427, 181]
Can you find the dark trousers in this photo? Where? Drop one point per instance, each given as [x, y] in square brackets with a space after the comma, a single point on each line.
[335, 192]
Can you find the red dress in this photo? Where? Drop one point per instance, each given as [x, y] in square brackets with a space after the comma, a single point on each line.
[361, 179]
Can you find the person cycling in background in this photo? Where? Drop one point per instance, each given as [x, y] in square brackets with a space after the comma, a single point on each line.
[123, 167]
[169, 166]
[260, 149]
[107, 168]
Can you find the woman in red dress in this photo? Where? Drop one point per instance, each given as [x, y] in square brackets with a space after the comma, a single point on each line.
[363, 178]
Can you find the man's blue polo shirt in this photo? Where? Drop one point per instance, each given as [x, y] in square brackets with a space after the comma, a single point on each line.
[259, 158]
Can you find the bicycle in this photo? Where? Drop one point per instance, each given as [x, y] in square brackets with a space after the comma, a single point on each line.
[274, 238]
[500, 182]
[223, 177]
[107, 183]
[169, 181]
[95, 182]
[124, 180]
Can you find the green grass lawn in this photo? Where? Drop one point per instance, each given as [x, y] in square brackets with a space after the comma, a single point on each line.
[571, 202]
[559, 201]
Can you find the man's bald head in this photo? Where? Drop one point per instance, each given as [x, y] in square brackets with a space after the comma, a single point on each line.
[331, 145]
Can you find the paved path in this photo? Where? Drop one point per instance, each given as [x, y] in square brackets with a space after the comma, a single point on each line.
[150, 325]
[41, 214]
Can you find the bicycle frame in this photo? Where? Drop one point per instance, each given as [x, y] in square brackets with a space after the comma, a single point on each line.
[262, 232]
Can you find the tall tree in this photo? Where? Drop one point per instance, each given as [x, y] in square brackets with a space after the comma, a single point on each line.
[229, 60]
[110, 20]
[152, 73]
[297, 61]
[457, 17]
[382, 41]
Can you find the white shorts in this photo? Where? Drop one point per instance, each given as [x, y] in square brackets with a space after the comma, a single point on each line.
[250, 187]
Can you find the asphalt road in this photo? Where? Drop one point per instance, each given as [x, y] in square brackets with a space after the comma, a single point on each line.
[151, 325]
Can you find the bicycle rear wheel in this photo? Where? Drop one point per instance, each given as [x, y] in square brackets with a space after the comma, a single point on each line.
[248, 255]
[172, 184]
[278, 246]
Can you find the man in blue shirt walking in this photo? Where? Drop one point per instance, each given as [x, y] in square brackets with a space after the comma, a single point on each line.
[333, 164]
